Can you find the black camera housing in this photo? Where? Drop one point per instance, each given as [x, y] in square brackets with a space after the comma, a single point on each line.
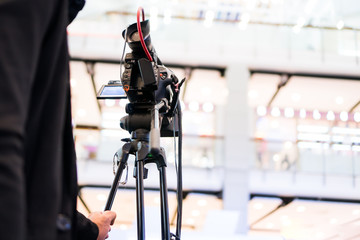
[147, 83]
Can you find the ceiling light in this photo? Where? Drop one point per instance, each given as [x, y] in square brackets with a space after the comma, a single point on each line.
[356, 212]
[339, 100]
[301, 209]
[275, 112]
[258, 206]
[330, 116]
[261, 111]
[357, 117]
[195, 213]
[208, 107]
[340, 24]
[202, 202]
[276, 157]
[344, 116]
[316, 114]
[269, 225]
[302, 113]
[101, 197]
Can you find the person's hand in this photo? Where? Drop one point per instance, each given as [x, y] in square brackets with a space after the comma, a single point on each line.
[103, 220]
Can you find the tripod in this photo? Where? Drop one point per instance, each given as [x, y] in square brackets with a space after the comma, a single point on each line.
[138, 145]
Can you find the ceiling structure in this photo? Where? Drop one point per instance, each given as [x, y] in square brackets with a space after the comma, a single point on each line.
[218, 33]
[309, 93]
[334, 14]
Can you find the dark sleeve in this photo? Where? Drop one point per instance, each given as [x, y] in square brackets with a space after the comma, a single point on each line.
[74, 7]
[86, 229]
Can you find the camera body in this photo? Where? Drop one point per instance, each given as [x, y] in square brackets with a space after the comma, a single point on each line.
[145, 83]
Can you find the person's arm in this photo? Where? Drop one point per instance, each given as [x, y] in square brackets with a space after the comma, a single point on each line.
[96, 226]
[86, 229]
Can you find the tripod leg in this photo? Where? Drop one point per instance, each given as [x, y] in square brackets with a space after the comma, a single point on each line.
[124, 157]
[140, 199]
[165, 223]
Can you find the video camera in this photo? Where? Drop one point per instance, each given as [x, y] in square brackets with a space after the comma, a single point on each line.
[153, 112]
[145, 82]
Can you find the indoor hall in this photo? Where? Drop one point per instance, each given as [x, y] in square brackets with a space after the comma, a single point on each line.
[270, 115]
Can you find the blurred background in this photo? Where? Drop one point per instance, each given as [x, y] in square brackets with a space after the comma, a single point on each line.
[271, 115]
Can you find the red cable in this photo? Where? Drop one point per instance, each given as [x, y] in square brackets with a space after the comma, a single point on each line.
[140, 33]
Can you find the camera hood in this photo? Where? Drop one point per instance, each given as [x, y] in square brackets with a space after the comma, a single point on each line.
[133, 39]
